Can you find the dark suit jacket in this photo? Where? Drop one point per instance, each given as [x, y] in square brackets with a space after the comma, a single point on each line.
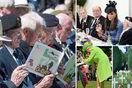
[3, 85]
[24, 48]
[126, 38]
[58, 47]
[7, 66]
[93, 32]
[86, 24]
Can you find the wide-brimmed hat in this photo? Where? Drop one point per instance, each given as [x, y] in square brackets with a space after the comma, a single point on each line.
[5, 38]
[22, 4]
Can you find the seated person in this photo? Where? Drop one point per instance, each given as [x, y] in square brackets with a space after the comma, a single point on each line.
[97, 26]
[86, 20]
[126, 35]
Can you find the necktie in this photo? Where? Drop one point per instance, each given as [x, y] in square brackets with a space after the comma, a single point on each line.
[93, 26]
[93, 23]
[16, 55]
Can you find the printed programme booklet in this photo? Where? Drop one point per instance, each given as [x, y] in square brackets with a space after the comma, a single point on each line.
[44, 60]
[69, 71]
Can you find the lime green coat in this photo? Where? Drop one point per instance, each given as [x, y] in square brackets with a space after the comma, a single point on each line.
[103, 65]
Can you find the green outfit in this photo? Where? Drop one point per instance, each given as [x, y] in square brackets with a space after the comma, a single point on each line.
[101, 59]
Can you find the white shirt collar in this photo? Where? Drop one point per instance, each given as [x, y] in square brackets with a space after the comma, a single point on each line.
[11, 52]
[9, 49]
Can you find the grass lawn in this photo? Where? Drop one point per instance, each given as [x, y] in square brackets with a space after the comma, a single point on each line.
[92, 84]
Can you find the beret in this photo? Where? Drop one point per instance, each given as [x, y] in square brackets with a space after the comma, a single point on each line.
[10, 22]
[50, 20]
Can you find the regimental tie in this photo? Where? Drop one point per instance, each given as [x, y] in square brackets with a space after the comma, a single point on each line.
[15, 53]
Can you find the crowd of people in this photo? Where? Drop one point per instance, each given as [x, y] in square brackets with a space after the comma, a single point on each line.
[23, 24]
[108, 28]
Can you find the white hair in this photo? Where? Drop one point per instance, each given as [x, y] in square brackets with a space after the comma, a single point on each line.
[36, 17]
[63, 18]
[6, 3]
[61, 7]
[48, 11]
[27, 22]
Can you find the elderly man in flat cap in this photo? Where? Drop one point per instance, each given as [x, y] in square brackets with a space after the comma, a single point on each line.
[10, 76]
[12, 58]
[49, 34]
[52, 25]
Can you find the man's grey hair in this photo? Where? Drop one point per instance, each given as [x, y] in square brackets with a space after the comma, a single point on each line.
[63, 18]
[27, 22]
[36, 17]
[48, 11]
[6, 3]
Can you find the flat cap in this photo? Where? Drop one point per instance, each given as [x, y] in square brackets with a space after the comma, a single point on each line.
[10, 22]
[50, 20]
[22, 7]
